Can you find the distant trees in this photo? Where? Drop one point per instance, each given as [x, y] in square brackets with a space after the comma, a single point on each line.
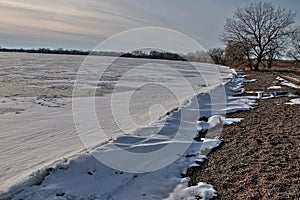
[261, 31]
[153, 54]
[198, 56]
[165, 55]
[47, 51]
[217, 55]
[295, 46]
[236, 54]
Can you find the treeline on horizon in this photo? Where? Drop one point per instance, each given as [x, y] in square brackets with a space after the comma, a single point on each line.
[152, 54]
[228, 56]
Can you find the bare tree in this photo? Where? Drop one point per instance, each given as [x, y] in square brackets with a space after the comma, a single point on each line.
[236, 54]
[198, 56]
[295, 51]
[190, 56]
[217, 55]
[260, 27]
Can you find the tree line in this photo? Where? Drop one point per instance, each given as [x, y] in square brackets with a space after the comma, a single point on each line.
[211, 56]
[150, 54]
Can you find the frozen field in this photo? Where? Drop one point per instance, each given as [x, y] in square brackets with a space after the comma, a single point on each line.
[36, 119]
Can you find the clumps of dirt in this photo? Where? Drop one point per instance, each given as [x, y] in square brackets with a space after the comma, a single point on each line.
[260, 156]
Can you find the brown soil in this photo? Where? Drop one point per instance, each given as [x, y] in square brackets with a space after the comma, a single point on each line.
[259, 157]
[284, 66]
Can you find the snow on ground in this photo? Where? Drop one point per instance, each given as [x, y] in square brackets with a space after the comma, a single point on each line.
[267, 95]
[182, 191]
[36, 119]
[84, 177]
[287, 83]
[275, 87]
[294, 101]
[230, 121]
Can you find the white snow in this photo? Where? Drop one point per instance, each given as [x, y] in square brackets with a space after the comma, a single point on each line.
[44, 131]
[50, 162]
[84, 177]
[275, 87]
[206, 191]
[271, 95]
[287, 83]
[230, 121]
[294, 101]
[212, 122]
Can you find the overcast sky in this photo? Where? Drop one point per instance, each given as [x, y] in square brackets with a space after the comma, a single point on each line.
[82, 24]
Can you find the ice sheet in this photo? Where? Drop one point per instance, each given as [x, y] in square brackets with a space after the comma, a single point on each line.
[37, 126]
[84, 177]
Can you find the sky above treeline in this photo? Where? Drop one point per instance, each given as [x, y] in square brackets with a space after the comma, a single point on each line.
[83, 24]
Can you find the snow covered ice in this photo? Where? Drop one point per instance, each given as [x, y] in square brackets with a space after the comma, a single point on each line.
[51, 163]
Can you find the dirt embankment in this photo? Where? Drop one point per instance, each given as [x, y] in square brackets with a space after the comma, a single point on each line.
[259, 157]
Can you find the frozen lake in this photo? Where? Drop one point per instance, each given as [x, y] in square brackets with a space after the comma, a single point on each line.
[36, 90]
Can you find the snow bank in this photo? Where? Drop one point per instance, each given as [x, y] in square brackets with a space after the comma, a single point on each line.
[38, 126]
[84, 177]
[294, 101]
[201, 190]
[249, 80]
[230, 121]
[275, 87]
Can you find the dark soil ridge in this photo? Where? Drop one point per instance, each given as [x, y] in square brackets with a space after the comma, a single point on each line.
[259, 157]
[293, 80]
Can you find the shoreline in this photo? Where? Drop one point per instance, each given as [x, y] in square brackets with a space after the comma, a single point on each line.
[37, 176]
[185, 161]
[259, 157]
[46, 117]
[188, 161]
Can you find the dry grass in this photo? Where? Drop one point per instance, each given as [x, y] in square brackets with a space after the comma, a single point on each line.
[285, 66]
